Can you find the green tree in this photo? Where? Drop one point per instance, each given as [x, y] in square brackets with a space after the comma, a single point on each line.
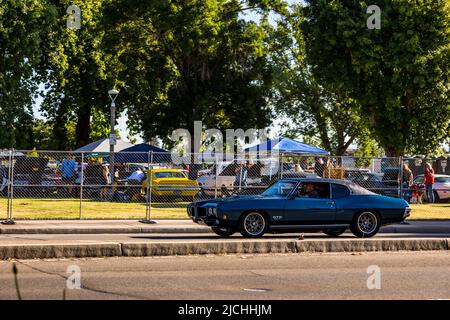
[318, 113]
[20, 47]
[182, 61]
[399, 74]
[77, 82]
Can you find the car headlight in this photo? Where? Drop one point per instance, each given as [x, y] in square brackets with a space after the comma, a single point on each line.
[212, 211]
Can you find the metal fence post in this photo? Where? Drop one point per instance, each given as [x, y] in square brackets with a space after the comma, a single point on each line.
[328, 164]
[281, 165]
[81, 185]
[400, 166]
[148, 206]
[216, 176]
[9, 213]
[8, 187]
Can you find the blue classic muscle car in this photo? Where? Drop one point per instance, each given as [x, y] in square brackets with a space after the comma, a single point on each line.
[289, 205]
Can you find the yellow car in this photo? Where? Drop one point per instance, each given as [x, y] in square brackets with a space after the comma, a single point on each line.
[172, 183]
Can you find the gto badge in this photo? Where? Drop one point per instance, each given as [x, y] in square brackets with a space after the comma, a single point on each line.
[277, 217]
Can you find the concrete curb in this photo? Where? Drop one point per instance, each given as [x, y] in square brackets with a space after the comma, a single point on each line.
[34, 251]
[365, 245]
[139, 249]
[214, 247]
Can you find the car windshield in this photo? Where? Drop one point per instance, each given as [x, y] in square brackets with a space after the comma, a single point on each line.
[163, 175]
[442, 179]
[279, 189]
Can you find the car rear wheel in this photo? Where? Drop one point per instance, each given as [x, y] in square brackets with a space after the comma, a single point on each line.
[253, 225]
[223, 232]
[365, 224]
[334, 232]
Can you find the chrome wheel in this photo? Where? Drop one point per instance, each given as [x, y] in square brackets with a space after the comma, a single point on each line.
[254, 224]
[367, 222]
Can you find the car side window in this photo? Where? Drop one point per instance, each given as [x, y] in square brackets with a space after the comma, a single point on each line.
[313, 190]
[339, 191]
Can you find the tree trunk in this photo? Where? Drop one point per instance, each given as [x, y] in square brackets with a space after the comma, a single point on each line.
[83, 127]
[393, 152]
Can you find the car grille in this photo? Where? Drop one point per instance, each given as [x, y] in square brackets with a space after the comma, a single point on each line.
[201, 212]
[194, 211]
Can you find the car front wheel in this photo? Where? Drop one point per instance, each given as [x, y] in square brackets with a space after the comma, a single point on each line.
[253, 225]
[223, 232]
[334, 232]
[365, 224]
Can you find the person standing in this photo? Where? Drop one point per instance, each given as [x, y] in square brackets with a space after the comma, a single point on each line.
[319, 167]
[429, 182]
[407, 182]
[69, 172]
[240, 178]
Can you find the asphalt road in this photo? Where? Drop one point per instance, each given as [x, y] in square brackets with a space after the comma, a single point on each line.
[404, 275]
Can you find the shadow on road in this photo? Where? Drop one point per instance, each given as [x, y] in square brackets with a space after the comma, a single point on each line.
[288, 236]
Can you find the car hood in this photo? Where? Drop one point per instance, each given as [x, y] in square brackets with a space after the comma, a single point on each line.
[233, 199]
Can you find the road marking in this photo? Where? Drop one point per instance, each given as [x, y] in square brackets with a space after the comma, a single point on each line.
[257, 289]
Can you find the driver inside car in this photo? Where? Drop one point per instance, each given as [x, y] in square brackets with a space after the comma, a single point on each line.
[309, 191]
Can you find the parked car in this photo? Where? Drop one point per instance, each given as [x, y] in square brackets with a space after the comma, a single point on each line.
[441, 186]
[285, 207]
[372, 182]
[172, 183]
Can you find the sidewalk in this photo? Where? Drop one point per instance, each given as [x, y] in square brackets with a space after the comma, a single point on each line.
[101, 227]
[174, 226]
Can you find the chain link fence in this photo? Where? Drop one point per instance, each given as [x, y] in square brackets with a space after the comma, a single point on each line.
[148, 185]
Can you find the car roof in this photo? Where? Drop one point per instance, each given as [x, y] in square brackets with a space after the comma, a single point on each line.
[166, 170]
[318, 179]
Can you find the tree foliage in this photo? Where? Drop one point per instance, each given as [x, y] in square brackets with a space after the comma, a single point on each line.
[20, 50]
[75, 73]
[331, 117]
[182, 61]
[399, 74]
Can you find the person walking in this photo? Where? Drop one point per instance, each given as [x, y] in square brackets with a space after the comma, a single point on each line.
[319, 166]
[69, 172]
[407, 182]
[240, 178]
[429, 182]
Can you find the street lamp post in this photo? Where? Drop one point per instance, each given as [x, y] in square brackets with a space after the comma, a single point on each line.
[112, 137]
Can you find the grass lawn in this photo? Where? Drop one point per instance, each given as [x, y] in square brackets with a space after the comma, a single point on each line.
[430, 211]
[69, 209]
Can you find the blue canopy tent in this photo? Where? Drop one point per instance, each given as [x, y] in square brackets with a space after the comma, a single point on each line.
[285, 146]
[142, 153]
[100, 148]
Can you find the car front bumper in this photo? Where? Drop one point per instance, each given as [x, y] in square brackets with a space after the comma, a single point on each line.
[201, 216]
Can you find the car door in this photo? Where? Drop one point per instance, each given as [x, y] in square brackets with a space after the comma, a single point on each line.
[301, 210]
[341, 197]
